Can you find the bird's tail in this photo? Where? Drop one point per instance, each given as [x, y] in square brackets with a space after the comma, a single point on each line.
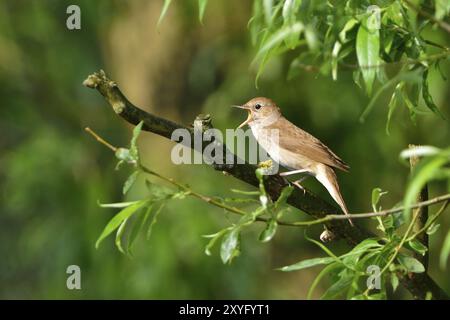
[327, 177]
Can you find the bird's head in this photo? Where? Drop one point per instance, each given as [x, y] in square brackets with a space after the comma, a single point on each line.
[260, 110]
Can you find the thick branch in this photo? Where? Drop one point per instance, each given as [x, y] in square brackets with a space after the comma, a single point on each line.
[305, 201]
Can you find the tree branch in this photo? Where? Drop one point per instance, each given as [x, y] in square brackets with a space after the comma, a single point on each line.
[305, 201]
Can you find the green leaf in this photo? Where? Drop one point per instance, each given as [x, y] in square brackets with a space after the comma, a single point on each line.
[427, 96]
[270, 230]
[163, 11]
[393, 103]
[363, 246]
[154, 220]
[307, 264]
[433, 228]
[159, 192]
[338, 287]
[445, 252]
[334, 59]
[130, 181]
[117, 205]
[350, 24]
[285, 193]
[418, 246]
[422, 174]
[117, 220]
[394, 281]
[230, 247]
[410, 76]
[247, 193]
[214, 238]
[201, 9]
[330, 268]
[138, 225]
[411, 264]
[278, 37]
[367, 51]
[119, 235]
[134, 152]
[442, 9]
[268, 7]
[377, 193]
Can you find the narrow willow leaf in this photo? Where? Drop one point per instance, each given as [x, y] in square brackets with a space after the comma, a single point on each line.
[117, 205]
[134, 152]
[410, 76]
[279, 36]
[419, 151]
[418, 246]
[270, 230]
[328, 269]
[164, 11]
[377, 193]
[268, 7]
[307, 264]
[367, 51]
[201, 9]
[411, 264]
[393, 103]
[119, 235]
[424, 171]
[427, 96]
[338, 287]
[130, 182]
[138, 225]
[433, 228]
[350, 24]
[154, 220]
[394, 282]
[230, 245]
[285, 193]
[248, 193]
[334, 59]
[214, 238]
[117, 220]
[363, 246]
[445, 252]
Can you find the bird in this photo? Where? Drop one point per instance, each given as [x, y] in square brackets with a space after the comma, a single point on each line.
[293, 148]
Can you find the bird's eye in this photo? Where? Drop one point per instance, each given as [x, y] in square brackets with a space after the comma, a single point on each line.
[257, 106]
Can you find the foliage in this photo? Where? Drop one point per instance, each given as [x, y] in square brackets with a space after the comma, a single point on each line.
[391, 254]
[382, 41]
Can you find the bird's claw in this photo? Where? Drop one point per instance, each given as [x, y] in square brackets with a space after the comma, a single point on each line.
[298, 185]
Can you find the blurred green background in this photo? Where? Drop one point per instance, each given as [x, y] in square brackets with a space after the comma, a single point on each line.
[53, 174]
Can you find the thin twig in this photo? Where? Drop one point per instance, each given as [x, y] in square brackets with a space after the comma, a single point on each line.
[100, 139]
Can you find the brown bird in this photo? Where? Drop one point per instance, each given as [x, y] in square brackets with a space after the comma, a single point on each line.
[293, 148]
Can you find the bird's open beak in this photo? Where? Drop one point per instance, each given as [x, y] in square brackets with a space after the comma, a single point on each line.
[249, 118]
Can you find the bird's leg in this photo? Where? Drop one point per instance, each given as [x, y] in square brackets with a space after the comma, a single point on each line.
[297, 183]
[288, 173]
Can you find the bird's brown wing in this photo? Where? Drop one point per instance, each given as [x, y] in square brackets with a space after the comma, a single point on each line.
[293, 138]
